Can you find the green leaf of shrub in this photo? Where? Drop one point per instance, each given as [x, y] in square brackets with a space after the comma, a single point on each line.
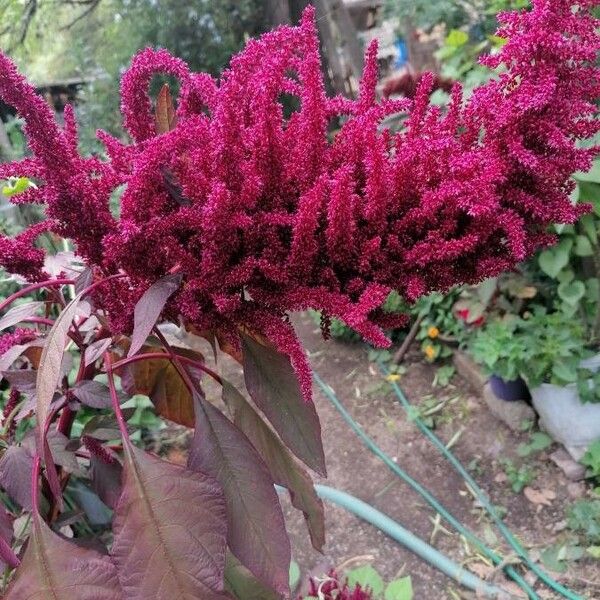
[583, 246]
[457, 38]
[399, 589]
[553, 260]
[571, 292]
[367, 576]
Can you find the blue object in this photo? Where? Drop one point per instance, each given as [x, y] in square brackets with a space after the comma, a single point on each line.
[402, 50]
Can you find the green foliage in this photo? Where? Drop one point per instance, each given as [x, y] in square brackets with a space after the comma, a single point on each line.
[572, 264]
[519, 476]
[99, 46]
[368, 577]
[557, 556]
[538, 441]
[584, 517]
[591, 459]
[426, 14]
[496, 347]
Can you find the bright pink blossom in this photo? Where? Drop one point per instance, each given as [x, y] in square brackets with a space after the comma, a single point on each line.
[264, 211]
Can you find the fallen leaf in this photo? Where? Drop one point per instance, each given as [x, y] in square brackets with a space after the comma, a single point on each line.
[539, 497]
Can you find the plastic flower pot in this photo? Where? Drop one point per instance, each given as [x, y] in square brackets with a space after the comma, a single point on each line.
[574, 424]
[509, 390]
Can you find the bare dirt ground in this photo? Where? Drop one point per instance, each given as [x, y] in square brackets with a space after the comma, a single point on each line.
[483, 444]
[354, 469]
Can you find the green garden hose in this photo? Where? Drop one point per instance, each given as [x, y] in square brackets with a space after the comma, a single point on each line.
[423, 492]
[482, 497]
[411, 541]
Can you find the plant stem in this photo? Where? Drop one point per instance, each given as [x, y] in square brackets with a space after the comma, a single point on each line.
[115, 398]
[170, 355]
[35, 286]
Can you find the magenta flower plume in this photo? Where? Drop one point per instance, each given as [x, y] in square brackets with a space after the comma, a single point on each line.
[265, 213]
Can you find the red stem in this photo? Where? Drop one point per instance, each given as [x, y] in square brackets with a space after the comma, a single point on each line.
[170, 355]
[33, 287]
[115, 398]
[175, 359]
[35, 474]
[38, 320]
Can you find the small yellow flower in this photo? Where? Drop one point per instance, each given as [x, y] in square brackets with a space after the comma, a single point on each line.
[393, 377]
[433, 332]
[429, 352]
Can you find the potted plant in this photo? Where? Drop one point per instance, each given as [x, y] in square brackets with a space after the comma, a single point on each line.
[561, 370]
[496, 347]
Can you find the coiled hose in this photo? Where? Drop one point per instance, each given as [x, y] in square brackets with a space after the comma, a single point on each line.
[436, 505]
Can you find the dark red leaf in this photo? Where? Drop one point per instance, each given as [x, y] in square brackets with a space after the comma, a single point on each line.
[11, 355]
[7, 556]
[84, 280]
[21, 379]
[164, 115]
[106, 480]
[50, 371]
[170, 531]
[92, 393]
[243, 585]
[52, 474]
[19, 312]
[61, 455]
[15, 474]
[256, 529]
[160, 380]
[284, 469]
[56, 569]
[274, 387]
[149, 307]
[95, 350]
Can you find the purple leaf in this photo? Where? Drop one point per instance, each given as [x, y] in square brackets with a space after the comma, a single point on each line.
[256, 529]
[52, 474]
[149, 307]
[17, 313]
[55, 568]
[84, 280]
[284, 469]
[15, 474]
[22, 379]
[95, 350]
[274, 387]
[242, 584]
[9, 357]
[58, 447]
[106, 480]
[170, 529]
[92, 393]
[50, 372]
[7, 556]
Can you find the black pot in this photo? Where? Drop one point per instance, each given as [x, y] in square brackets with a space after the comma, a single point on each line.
[516, 389]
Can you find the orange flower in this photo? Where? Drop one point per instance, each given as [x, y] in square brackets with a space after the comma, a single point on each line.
[433, 332]
[429, 352]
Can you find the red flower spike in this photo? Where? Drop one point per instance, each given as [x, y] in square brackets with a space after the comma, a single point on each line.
[263, 214]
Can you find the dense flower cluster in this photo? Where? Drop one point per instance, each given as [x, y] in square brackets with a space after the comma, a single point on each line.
[17, 337]
[264, 212]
